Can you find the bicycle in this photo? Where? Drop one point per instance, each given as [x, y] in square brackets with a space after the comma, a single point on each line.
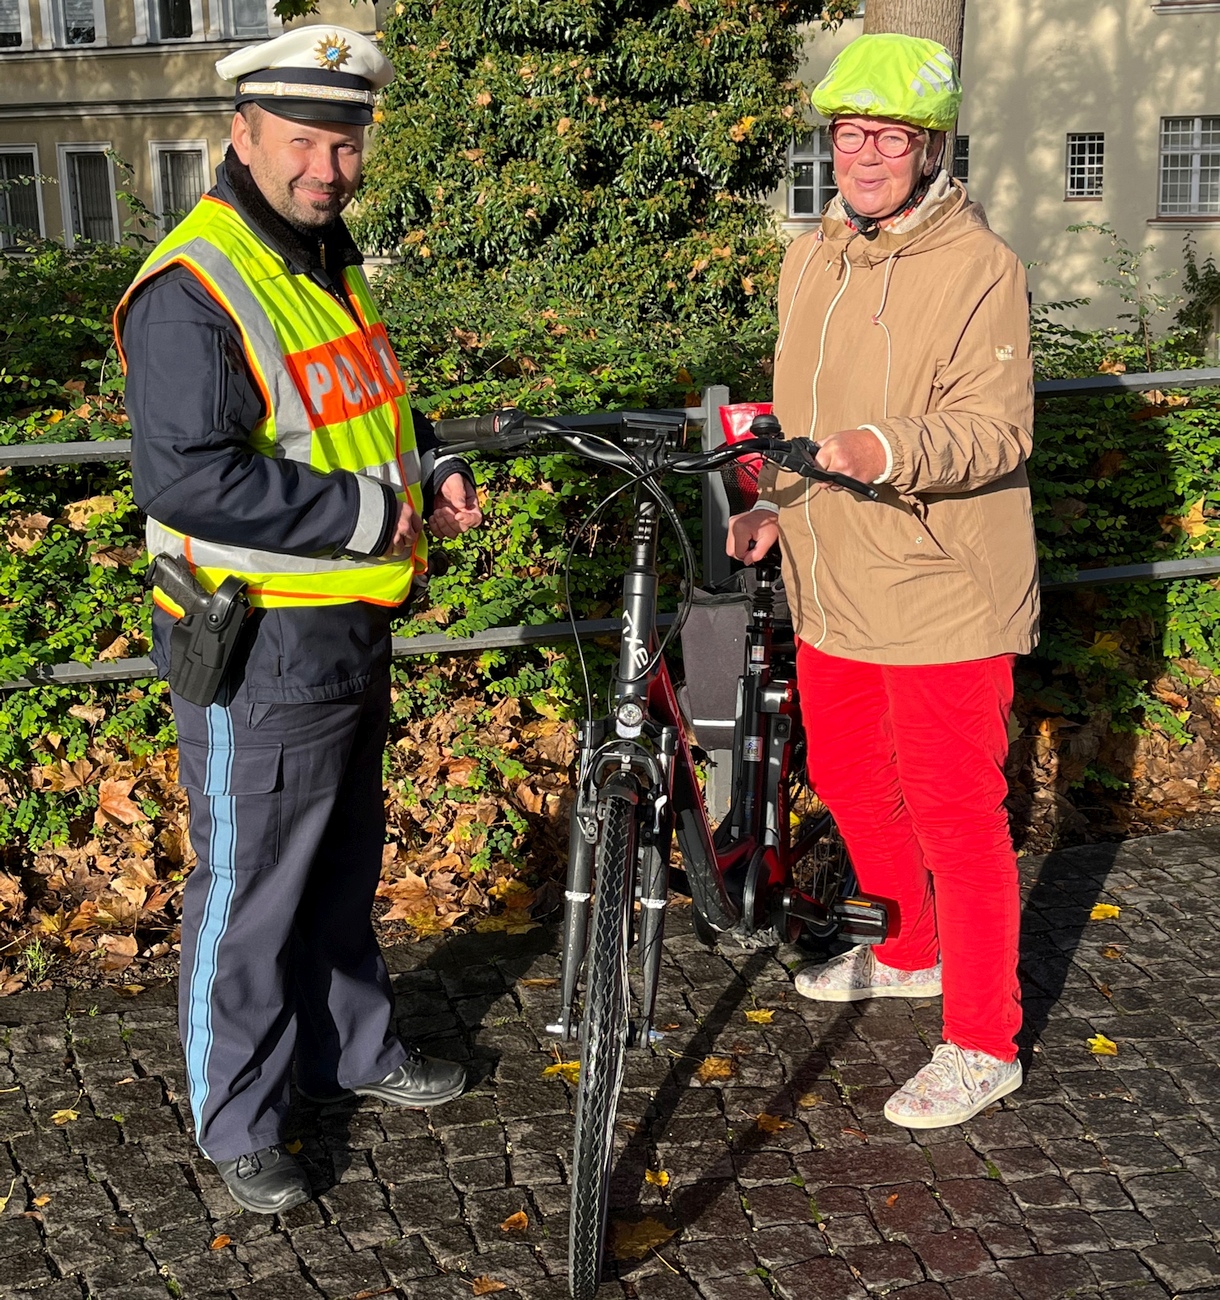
[773, 867]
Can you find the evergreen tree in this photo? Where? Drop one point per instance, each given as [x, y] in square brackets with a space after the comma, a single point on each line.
[610, 152]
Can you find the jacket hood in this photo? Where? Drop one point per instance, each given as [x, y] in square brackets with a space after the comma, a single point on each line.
[942, 216]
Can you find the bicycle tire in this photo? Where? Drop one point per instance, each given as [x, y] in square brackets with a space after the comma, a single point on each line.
[603, 1045]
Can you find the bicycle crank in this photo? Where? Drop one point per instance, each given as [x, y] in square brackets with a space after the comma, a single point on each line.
[859, 918]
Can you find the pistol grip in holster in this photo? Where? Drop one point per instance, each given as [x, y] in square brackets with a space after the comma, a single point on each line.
[203, 640]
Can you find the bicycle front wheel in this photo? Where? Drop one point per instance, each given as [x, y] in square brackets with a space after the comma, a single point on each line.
[603, 1043]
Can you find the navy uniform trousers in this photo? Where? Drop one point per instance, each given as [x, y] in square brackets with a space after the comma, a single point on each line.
[279, 959]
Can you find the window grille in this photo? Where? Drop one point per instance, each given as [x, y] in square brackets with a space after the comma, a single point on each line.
[961, 158]
[10, 24]
[1190, 167]
[1086, 158]
[18, 199]
[91, 196]
[813, 174]
[182, 183]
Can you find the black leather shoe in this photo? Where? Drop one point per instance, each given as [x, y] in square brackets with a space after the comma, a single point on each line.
[419, 1081]
[265, 1182]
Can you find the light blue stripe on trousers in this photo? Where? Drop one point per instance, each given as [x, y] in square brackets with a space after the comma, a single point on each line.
[222, 855]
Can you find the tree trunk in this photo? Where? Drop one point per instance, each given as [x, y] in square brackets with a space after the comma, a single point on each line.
[938, 20]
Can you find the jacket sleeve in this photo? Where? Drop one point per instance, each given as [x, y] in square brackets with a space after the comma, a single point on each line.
[982, 427]
[192, 403]
[436, 464]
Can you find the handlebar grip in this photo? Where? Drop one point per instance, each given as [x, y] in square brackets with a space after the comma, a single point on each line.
[470, 428]
[853, 485]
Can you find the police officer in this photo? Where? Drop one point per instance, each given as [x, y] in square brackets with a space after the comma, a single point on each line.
[273, 443]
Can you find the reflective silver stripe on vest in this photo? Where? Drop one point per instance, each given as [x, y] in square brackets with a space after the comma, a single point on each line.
[391, 474]
[371, 521]
[293, 431]
[240, 559]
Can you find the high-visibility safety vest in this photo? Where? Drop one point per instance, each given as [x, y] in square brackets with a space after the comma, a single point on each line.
[334, 396]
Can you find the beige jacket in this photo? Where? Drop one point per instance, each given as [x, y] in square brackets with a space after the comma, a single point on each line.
[923, 335]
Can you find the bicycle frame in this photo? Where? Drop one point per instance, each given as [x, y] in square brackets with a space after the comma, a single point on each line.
[737, 873]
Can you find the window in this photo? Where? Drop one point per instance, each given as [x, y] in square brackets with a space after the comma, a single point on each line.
[813, 174]
[174, 20]
[80, 27]
[248, 18]
[179, 172]
[20, 214]
[87, 185]
[11, 35]
[1086, 156]
[1190, 167]
[961, 158]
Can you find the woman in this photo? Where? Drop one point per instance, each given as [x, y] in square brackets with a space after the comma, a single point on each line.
[904, 351]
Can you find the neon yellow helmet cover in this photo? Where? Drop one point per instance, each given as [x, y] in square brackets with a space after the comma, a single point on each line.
[887, 75]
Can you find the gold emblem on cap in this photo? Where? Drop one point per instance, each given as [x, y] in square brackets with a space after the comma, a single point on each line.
[332, 52]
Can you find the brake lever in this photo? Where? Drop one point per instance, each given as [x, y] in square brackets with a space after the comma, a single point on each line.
[798, 455]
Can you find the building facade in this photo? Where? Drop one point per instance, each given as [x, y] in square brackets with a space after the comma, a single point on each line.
[99, 97]
[1085, 111]
[1103, 111]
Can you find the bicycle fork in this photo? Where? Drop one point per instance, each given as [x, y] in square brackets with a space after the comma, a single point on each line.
[653, 771]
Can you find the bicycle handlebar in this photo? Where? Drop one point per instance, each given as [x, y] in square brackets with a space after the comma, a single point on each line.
[510, 427]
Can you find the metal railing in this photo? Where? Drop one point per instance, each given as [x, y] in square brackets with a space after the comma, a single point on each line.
[716, 565]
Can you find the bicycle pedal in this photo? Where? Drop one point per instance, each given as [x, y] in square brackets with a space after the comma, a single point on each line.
[866, 920]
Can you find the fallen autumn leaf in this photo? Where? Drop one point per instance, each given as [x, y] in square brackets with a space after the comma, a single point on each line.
[773, 1123]
[486, 1285]
[715, 1067]
[634, 1240]
[569, 1070]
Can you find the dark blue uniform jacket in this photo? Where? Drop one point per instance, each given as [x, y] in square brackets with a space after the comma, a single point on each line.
[193, 402]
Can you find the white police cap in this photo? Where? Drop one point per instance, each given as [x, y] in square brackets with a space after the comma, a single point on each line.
[313, 74]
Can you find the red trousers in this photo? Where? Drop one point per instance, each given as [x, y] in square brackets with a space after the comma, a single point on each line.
[910, 760]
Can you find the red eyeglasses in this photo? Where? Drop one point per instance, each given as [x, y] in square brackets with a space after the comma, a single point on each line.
[891, 141]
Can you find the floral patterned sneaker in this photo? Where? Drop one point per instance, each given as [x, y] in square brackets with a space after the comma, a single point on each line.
[858, 974]
[952, 1088]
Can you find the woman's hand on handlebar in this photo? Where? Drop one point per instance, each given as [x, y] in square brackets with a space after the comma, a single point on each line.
[752, 535]
[858, 453]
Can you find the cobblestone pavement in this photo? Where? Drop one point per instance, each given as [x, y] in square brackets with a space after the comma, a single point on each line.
[1099, 1177]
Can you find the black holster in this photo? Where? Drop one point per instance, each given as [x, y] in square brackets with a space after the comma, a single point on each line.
[203, 640]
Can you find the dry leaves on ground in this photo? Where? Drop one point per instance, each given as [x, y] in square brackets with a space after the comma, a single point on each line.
[772, 1123]
[518, 1222]
[569, 1070]
[760, 1017]
[712, 1068]
[486, 1285]
[634, 1239]
[1100, 1045]
[1104, 912]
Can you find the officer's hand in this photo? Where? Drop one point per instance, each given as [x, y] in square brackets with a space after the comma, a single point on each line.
[752, 535]
[408, 528]
[456, 508]
[858, 453]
